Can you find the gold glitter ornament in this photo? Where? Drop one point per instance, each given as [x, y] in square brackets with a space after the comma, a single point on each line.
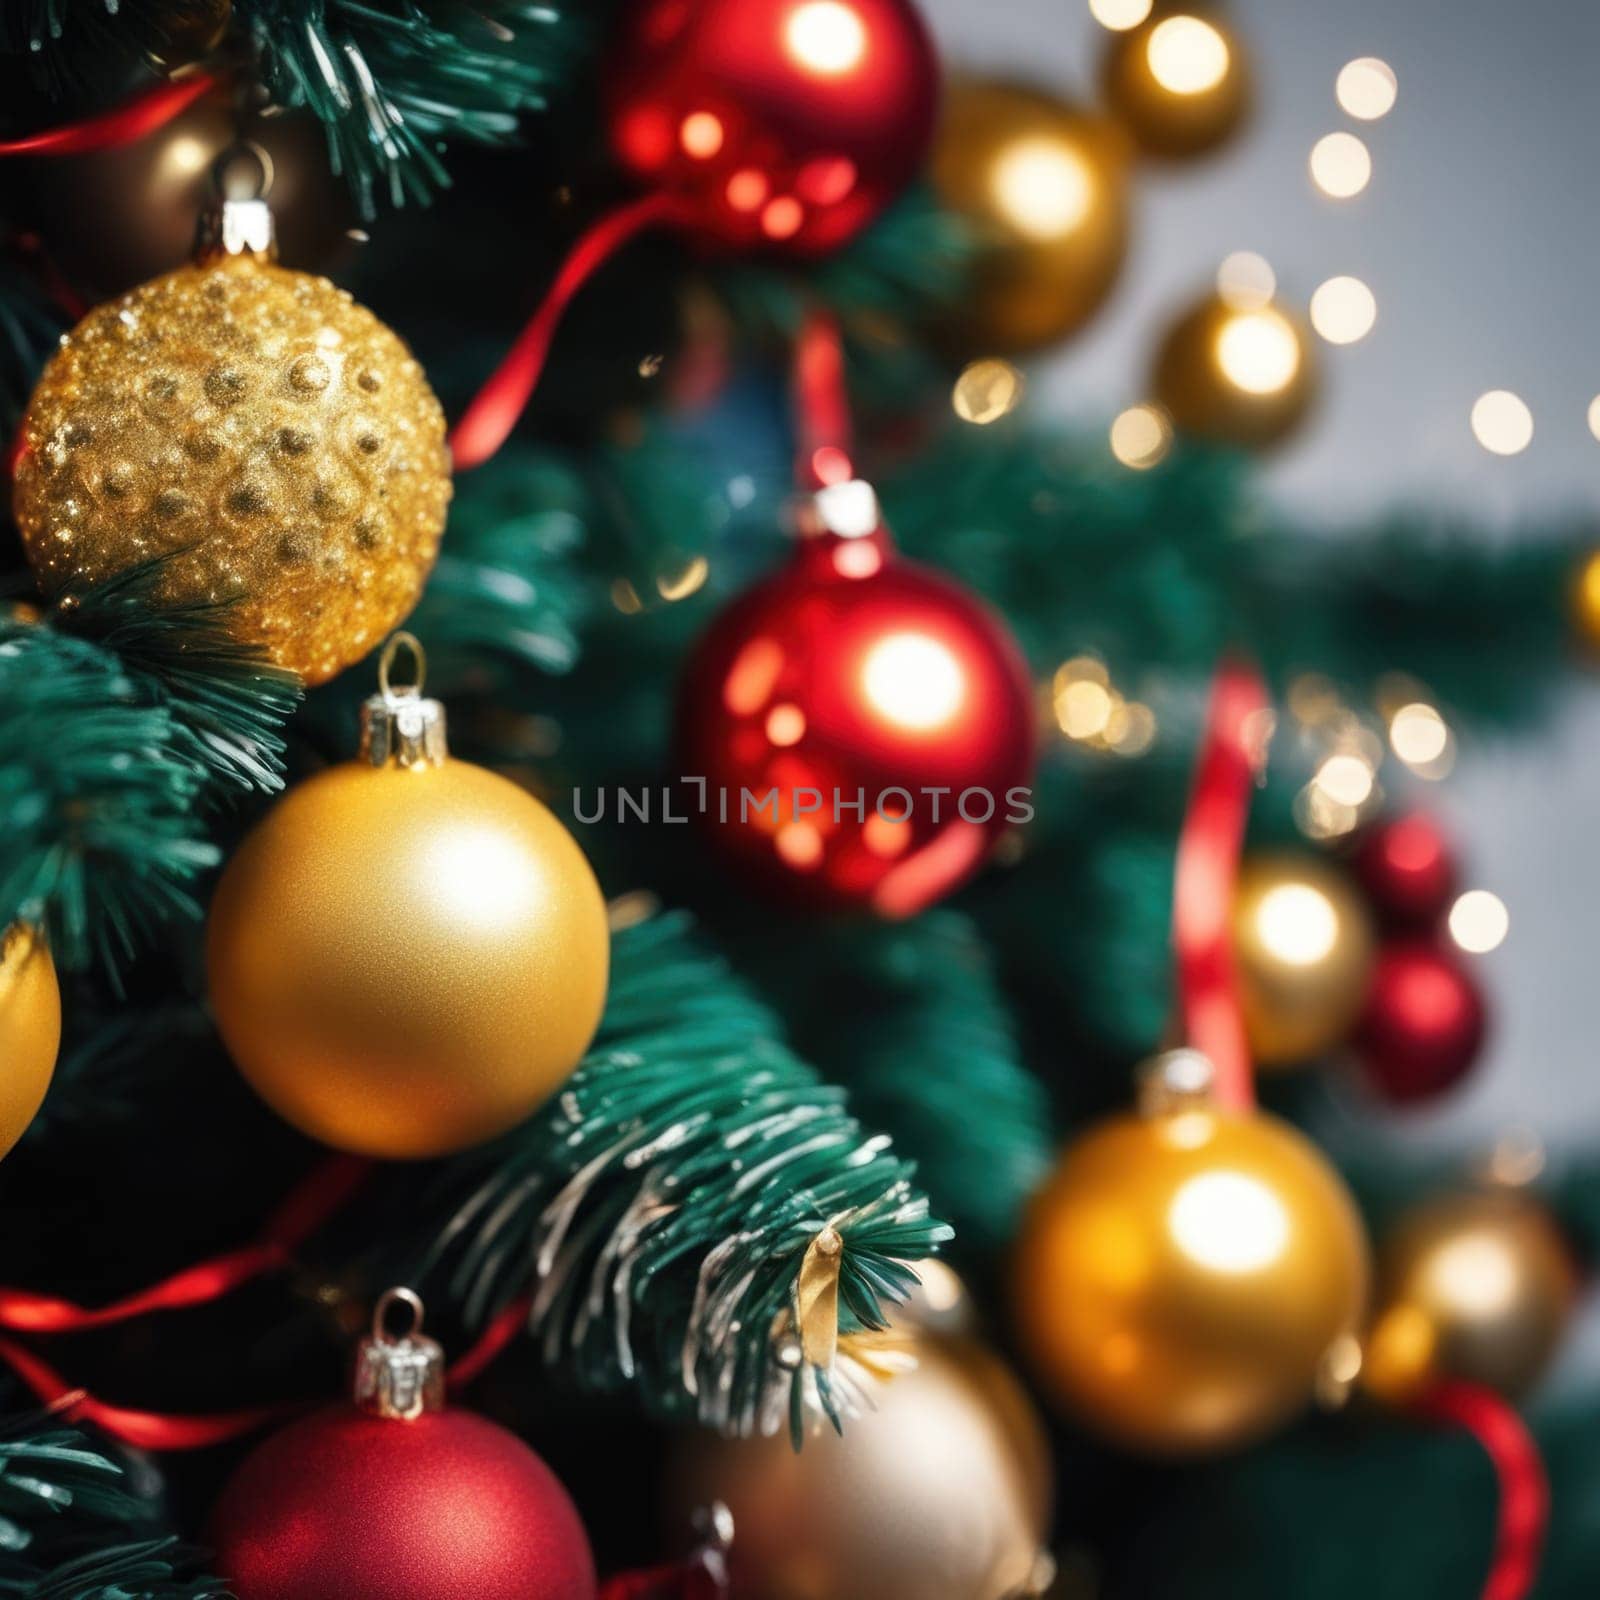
[255, 426]
[30, 1029]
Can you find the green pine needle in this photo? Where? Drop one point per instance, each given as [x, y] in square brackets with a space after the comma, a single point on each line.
[660, 1206]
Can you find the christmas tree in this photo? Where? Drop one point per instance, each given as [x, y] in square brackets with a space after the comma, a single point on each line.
[599, 815]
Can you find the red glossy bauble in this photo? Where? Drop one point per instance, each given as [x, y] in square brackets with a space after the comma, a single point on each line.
[1408, 871]
[779, 122]
[348, 1506]
[863, 725]
[1424, 1022]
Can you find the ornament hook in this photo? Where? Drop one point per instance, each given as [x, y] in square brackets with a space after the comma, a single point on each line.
[386, 663]
[236, 222]
[387, 1301]
[399, 1376]
[228, 182]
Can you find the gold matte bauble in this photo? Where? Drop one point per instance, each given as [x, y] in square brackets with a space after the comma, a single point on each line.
[1237, 374]
[940, 1493]
[260, 429]
[1184, 1278]
[1179, 82]
[406, 959]
[1043, 187]
[110, 219]
[30, 1029]
[1303, 944]
[1477, 1287]
[1586, 602]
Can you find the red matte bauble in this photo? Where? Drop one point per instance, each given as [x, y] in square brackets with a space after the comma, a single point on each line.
[1408, 871]
[864, 728]
[790, 123]
[1424, 1022]
[348, 1506]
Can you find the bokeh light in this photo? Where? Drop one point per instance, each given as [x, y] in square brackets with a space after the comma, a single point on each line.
[1421, 738]
[1343, 310]
[1297, 924]
[987, 390]
[1120, 15]
[1502, 422]
[1043, 187]
[914, 681]
[1258, 351]
[1594, 416]
[1187, 55]
[1246, 280]
[1479, 921]
[826, 37]
[1366, 88]
[1340, 165]
[1141, 436]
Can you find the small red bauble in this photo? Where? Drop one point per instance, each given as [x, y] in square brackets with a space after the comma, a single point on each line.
[398, 1499]
[862, 724]
[778, 122]
[1408, 871]
[1424, 1022]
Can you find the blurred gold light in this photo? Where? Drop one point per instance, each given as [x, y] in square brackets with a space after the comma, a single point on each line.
[1594, 416]
[1479, 922]
[1187, 55]
[1297, 923]
[1042, 186]
[1502, 422]
[680, 584]
[1132, 728]
[1345, 779]
[1084, 709]
[987, 390]
[914, 681]
[1366, 88]
[826, 36]
[1246, 280]
[1141, 436]
[1120, 15]
[1340, 165]
[1343, 310]
[1319, 816]
[1258, 351]
[186, 155]
[1421, 739]
[1230, 1222]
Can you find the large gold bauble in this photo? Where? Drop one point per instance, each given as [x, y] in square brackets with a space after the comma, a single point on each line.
[1478, 1287]
[1186, 1275]
[1241, 375]
[255, 425]
[1586, 602]
[406, 961]
[1303, 943]
[940, 1493]
[1179, 82]
[30, 1029]
[1044, 189]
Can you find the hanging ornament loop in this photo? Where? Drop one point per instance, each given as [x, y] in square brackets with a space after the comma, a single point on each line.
[399, 1377]
[398, 724]
[237, 221]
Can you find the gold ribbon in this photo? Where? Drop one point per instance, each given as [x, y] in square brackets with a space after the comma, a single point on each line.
[817, 1298]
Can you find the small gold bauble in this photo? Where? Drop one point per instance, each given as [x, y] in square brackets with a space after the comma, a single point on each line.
[1477, 1287]
[407, 956]
[256, 426]
[1238, 374]
[1586, 602]
[939, 1493]
[1187, 1273]
[30, 1029]
[1044, 189]
[1303, 943]
[1179, 82]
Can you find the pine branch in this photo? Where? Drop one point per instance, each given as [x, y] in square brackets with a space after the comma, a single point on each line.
[392, 79]
[660, 1207]
[71, 1529]
[112, 737]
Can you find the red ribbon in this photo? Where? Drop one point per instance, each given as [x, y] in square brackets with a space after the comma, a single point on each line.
[1524, 1512]
[1209, 848]
[124, 124]
[821, 405]
[487, 422]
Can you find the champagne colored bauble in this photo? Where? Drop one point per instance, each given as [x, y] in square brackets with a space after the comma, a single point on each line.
[1179, 82]
[1423, 1024]
[409, 956]
[1242, 375]
[255, 425]
[110, 219]
[1186, 1276]
[789, 124]
[30, 1029]
[399, 1497]
[863, 725]
[1303, 944]
[1478, 1287]
[1043, 187]
[940, 1493]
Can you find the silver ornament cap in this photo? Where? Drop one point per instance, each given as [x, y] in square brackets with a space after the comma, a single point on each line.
[399, 1376]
